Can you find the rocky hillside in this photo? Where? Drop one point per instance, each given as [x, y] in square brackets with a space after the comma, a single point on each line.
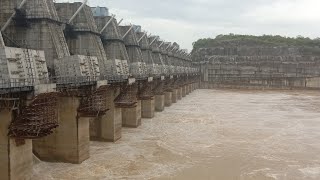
[247, 45]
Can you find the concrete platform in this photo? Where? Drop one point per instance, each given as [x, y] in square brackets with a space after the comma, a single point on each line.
[159, 104]
[148, 108]
[131, 117]
[15, 161]
[168, 99]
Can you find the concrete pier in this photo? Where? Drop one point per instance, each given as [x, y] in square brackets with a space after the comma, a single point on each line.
[168, 99]
[179, 93]
[159, 104]
[187, 89]
[148, 108]
[108, 127]
[70, 141]
[15, 160]
[131, 117]
[184, 91]
[175, 95]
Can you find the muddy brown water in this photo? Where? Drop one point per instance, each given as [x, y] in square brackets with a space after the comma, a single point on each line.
[214, 135]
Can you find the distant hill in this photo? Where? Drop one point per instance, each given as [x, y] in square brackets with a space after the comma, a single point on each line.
[235, 40]
[248, 45]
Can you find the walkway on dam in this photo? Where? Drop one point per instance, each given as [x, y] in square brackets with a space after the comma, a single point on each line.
[212, 134]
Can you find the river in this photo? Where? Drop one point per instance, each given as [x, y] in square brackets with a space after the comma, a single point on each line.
[214, 135]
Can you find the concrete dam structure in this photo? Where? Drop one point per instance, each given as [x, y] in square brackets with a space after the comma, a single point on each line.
[69, 76]
[85, 96]
[259, 67]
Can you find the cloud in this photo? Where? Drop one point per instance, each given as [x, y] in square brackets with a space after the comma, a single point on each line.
[185, 21]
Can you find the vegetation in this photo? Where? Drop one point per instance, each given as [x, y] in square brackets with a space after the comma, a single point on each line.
[249, 40]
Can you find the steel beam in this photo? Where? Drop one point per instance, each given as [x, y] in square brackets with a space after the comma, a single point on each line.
[78, 11]
[125, 35]
[107, 24]
[11, 17]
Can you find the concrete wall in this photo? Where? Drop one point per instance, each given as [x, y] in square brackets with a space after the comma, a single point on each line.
[298, 83]
[15, 161]
[279, 67]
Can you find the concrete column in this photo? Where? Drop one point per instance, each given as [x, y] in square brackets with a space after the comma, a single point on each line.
[184, 91]
[159, 103]
[15, 161]
[180, 93]
[108, 127]
[131, 117]
[175, 96]
[168, 99]
[70, 141]
[187, 89]
[148, 108]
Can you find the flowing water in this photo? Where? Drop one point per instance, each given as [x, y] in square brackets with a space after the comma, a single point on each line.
[212, 134]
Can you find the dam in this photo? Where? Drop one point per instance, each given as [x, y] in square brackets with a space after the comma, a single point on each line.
[85, 96]
[70, 76]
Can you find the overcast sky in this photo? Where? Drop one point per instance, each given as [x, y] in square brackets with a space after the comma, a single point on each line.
[185, 21]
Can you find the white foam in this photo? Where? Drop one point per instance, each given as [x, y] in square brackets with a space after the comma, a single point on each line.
[311, 172]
